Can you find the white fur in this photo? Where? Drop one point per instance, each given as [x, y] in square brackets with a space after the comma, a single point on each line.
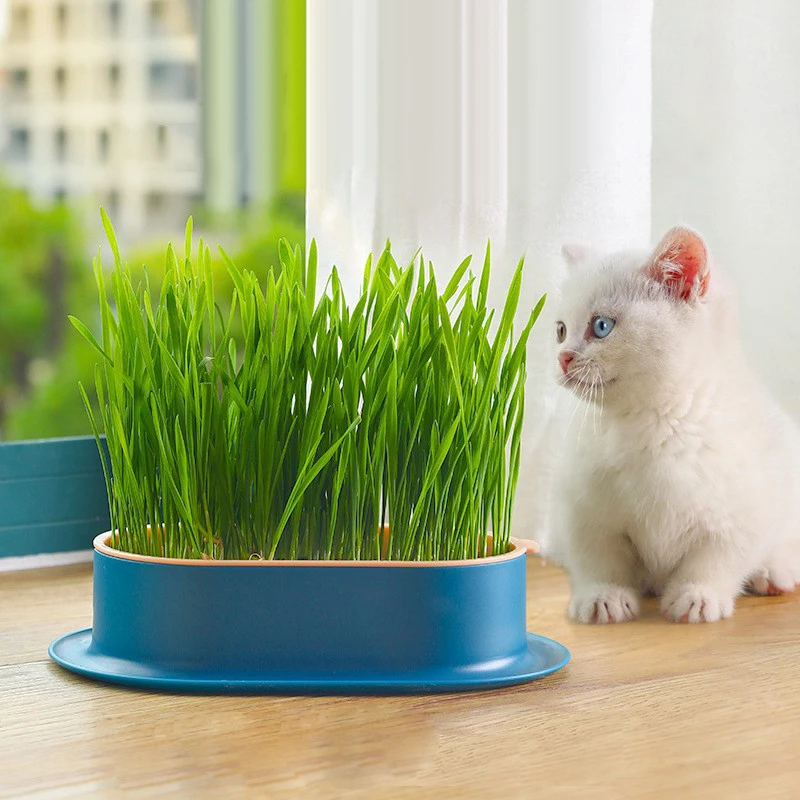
[683, 478]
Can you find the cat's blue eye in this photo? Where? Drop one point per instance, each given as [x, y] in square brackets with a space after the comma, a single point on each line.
[602, 326]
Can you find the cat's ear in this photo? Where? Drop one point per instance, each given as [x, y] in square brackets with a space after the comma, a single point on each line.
[576, 255]
[680, 261]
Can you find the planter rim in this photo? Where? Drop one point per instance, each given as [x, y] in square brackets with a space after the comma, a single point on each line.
[519, 547]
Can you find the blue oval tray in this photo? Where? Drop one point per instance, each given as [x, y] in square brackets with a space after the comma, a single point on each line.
[308, 627]
[74, 652]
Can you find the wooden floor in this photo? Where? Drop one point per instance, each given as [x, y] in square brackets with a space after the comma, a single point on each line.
[646, 709]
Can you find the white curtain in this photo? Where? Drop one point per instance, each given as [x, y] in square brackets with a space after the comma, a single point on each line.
[534, 122]
[726, 158]
[445, 124]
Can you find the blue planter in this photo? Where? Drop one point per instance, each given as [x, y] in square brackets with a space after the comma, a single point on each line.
[308, 627]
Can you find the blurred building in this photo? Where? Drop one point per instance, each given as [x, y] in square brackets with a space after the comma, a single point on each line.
[254, 95]
[154, 108]
[101, 102]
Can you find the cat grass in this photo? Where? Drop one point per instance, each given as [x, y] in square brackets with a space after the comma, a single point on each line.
[320, 424]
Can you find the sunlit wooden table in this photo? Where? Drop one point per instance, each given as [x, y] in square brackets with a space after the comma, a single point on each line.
[646, 709]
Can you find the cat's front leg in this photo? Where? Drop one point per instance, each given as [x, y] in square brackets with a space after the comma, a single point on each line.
[601, 603]
[704, 586]
[603, 577]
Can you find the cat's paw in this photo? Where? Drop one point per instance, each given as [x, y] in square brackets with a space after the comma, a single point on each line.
[774, 580]
[603, 603]
[693, 602]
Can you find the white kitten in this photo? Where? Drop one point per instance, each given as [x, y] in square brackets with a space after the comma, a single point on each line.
[688, 483]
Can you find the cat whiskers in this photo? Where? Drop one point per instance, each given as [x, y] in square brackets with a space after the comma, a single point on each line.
[592, 393]
[579, 375]
[602, 402]
[602, 393]
[598, 392]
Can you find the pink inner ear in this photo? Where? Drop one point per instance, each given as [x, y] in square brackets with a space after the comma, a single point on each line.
[681, 262]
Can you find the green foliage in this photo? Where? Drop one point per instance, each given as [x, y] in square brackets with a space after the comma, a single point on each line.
[45, 270]
[42, 274]
[53, 408]
[253, 237]
[327, 421]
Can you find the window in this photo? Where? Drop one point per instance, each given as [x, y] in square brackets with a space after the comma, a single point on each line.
[172, 80]
[20, 21]
[178, 143]
[160, 206]
[19, 142]
[19, 83]
[61, 141]
[161, 141]
[171, 17]
[111, 204]
[115, 17]
[195, 12]
[62, 19]
[114, 80]
[60, 80]
[103, 144]
[154, 203]
[157, 16]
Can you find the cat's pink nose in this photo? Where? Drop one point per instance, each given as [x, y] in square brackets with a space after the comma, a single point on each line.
[565, 359]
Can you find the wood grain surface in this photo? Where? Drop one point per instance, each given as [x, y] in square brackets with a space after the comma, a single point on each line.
[645, 709]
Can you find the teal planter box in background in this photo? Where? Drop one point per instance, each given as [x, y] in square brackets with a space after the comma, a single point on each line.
[52, 496]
